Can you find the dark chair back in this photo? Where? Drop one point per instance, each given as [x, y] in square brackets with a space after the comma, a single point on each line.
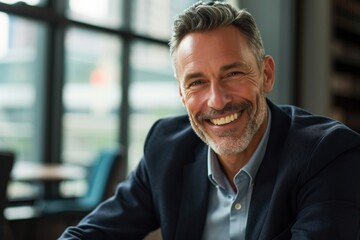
[6, 164]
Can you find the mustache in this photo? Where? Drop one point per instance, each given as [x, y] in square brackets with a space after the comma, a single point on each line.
[229, 108]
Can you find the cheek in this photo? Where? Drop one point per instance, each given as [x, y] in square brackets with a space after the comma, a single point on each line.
[243, 91]
[194, 102]
[191, 104]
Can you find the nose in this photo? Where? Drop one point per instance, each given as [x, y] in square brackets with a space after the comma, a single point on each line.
[218, 97]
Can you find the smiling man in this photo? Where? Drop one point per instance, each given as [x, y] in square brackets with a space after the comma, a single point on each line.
[237, 166]
[224, 91]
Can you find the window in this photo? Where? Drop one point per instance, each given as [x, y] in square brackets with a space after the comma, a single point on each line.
[151, 74]
[98, 12]
[91, 95]
[78, 76]
[22, 64]
[154, 17]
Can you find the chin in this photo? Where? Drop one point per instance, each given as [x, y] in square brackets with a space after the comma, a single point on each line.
[229, 146]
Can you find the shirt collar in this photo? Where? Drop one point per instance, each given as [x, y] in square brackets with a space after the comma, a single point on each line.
[215, 172]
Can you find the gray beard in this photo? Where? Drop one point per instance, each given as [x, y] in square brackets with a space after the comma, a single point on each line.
[233, 145]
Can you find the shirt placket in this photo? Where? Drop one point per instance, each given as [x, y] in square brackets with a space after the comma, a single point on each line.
[238, 210]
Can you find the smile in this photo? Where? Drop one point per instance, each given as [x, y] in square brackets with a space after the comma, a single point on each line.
[225, 120]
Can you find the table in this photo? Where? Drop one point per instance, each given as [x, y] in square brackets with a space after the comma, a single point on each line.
[31, 171]
[48, 174]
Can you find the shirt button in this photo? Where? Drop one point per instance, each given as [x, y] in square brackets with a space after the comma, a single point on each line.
[238, 206]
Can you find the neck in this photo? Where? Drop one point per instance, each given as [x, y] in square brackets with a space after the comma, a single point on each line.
[232, 164]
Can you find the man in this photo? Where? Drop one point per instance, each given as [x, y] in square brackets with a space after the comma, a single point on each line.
[242, 167]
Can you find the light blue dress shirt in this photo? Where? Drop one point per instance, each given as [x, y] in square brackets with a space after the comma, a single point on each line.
[228, 210]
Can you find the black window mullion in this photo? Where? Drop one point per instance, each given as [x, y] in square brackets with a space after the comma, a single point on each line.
[54, 84]
[54, 90]
[124, 111]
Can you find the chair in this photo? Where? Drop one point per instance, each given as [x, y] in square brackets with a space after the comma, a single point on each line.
[102, 179]
[6, 163]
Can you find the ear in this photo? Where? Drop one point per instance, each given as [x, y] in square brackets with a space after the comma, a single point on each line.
[268, 74]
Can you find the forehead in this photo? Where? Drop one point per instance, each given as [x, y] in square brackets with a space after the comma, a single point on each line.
[217, 47]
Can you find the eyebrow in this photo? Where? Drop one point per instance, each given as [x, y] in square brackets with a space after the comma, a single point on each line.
[193, 75]
[232, 65]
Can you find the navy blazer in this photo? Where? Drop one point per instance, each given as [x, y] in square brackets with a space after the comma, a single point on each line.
[307, 187]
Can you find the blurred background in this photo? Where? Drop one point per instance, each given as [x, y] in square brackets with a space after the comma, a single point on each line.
[81, 76]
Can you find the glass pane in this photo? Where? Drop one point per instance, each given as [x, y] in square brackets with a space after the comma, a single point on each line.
[91, 94]
[98, 12]
[153, 93]
[22, 69]
[154, 17]
[28, 2]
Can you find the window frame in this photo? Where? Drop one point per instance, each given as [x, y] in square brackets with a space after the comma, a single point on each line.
[53, 14]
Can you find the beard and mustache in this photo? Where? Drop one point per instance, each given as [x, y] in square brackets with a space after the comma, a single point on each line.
[227, 142]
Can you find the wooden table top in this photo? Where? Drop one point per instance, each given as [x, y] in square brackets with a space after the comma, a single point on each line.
[31, 171]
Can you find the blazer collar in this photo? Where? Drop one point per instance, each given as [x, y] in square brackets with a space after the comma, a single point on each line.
[265, 178]
[195, 188]
[194, 202]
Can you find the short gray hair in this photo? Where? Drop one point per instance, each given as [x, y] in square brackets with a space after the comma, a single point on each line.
[202, 17]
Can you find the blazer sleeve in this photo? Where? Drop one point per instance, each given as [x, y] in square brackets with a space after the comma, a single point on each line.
[329, 197]
[128, 214]
[151, 196]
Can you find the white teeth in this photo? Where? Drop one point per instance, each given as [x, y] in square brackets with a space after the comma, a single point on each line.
[225, 120]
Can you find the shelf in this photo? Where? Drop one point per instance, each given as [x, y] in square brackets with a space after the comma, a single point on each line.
[345, 85]
[348, 51]
[345, 62]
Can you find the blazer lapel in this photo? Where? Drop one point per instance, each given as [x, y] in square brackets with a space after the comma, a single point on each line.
[265, 178]
[194, 202]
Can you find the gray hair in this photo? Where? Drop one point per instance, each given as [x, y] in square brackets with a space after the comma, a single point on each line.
[203, 17]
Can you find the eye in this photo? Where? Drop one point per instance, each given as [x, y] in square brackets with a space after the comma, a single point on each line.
[233, 74]
[195, 83]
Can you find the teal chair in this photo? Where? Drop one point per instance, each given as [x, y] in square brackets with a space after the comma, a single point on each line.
[102, 179]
